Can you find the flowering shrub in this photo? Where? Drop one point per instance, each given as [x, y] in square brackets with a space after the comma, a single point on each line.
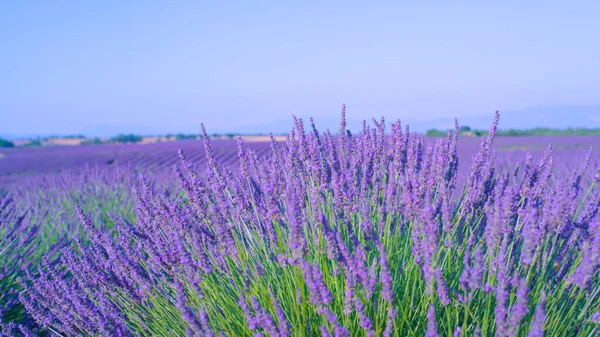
[353, 235]
[38, 217]
[16, 236]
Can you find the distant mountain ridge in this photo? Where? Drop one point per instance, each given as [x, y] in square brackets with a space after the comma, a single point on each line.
[549, 116]
[552, 116]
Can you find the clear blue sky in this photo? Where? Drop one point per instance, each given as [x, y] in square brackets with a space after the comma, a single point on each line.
[68, 66]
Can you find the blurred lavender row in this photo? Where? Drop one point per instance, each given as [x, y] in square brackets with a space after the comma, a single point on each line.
[18, 165]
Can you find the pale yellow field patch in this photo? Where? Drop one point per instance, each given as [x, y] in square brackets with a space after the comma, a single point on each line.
[66, 141]
[263, 138]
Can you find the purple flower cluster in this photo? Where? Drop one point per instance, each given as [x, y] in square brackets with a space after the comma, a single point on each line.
[17, 234]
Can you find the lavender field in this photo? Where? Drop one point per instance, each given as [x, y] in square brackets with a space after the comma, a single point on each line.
[34, 163]
[372, 232]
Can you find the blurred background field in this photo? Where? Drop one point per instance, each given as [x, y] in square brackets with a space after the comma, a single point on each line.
[21, 164]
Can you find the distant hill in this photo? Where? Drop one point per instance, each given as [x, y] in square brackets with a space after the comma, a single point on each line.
[553, 116]
[545, 116]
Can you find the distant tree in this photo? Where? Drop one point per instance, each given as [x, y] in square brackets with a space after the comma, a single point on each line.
[95, 141]
[464, 128]
[181, 136]
[34, 142]
[6, 143]
[130, 138]
[435, 133]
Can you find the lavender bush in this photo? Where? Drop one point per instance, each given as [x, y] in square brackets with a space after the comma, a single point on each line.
[355, 235]
[16, 237]
[38, 218]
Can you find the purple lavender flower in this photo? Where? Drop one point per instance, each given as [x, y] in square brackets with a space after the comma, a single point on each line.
[442, 288]
[263, 318]
[319, 293]
[364, 320]
[519, 310]
[324, 331]
[501, 291]
[251, 320]
[186, 312]
[590, 259]
[389, 325]
[532, 235]
[297, 239]
[432, 329]
[348, 295]
[386, 277]
[283, 326]
[537, 325]
[476, 273]
[204, 320]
